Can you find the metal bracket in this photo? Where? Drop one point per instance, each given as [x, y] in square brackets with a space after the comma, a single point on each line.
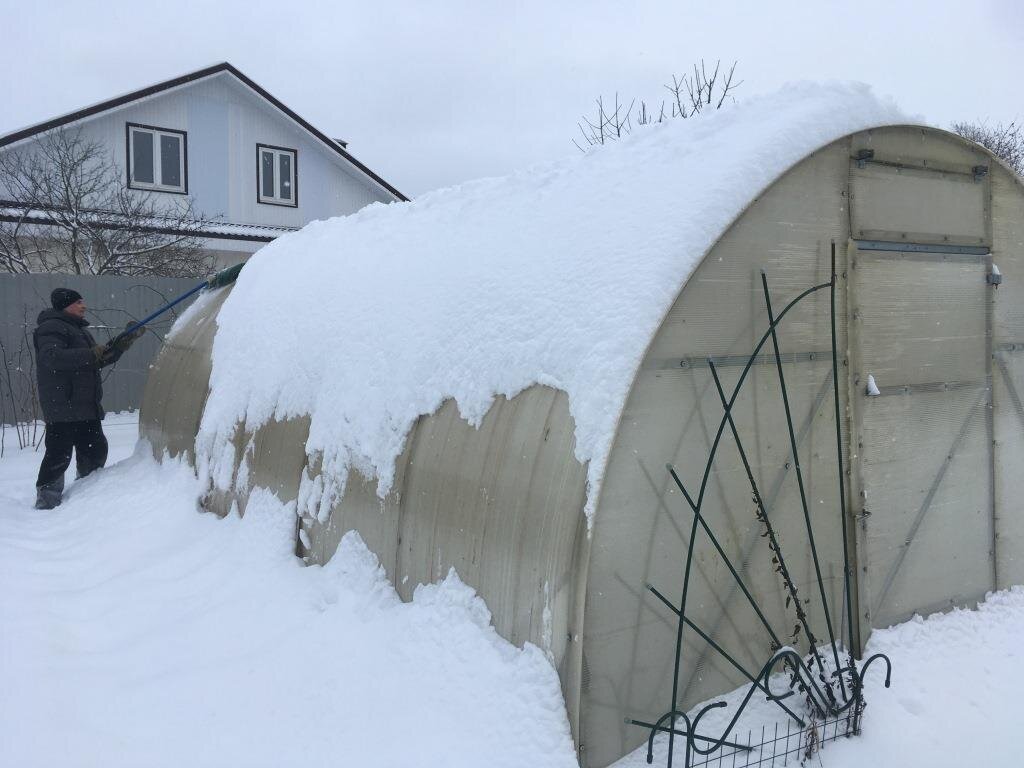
[863, 156]
[980, 172]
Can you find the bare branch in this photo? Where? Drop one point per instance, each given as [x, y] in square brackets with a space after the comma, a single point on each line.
[691, 93]
[68, 210]
[1004, 140]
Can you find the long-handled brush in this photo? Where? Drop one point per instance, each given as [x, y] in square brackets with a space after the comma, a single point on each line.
[221, 279]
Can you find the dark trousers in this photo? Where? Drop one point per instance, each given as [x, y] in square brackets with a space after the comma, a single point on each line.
[87, 440]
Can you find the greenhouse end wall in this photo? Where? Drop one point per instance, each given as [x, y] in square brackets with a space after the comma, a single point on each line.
[673, 414]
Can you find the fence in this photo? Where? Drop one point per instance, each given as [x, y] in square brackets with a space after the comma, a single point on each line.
[773, 748]
[113, 302]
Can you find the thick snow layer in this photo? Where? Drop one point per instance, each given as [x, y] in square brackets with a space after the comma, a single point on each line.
[136, 632]
[198, 306]
[558, 275]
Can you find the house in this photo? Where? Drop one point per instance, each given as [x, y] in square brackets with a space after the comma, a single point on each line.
[252, 167]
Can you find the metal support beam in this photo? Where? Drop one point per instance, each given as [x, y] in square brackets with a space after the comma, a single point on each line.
[737, 361]
[930, 386]
[1018, 407]
[990, 424]
[881, 249]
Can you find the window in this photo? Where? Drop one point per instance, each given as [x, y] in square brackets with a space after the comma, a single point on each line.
[276, 175]
[157, 159]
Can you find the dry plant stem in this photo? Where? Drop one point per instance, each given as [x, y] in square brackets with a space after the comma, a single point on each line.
[689, 95]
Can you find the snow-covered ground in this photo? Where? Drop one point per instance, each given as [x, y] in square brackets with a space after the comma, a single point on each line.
[135, 631]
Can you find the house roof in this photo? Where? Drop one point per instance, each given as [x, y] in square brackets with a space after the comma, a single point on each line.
[16, 213]
[335, 145]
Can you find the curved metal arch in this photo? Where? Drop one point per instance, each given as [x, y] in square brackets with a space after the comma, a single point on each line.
[823, 699]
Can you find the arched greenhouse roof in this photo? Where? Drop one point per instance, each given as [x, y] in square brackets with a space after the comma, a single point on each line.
[557, 275]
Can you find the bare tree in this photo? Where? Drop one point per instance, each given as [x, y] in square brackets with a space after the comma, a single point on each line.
[690, 94]
[19, 401]
[68, 209]
[1004, 140]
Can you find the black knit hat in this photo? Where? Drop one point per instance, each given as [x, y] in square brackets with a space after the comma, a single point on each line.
[61, 298]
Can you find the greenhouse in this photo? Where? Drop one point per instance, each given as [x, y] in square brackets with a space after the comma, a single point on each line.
[786, 338]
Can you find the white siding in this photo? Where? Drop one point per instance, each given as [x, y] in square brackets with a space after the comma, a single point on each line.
[225, 121]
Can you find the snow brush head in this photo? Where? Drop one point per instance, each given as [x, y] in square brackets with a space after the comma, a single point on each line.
[225, 277]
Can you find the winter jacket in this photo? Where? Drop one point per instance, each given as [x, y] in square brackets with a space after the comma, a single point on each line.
[68, 374]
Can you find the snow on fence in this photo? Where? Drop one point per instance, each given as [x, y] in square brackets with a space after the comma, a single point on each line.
[113, 301]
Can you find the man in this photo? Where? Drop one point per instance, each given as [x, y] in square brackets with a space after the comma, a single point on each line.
[68, 363]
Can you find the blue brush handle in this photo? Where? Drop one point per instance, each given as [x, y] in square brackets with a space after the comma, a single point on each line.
[135, 326]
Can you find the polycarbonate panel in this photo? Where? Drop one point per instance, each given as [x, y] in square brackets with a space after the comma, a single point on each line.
[178, 383]
[501, 503]
[273, 458]
[642, 527]
[1008, 374]
[923, 458]
[919, 186]
[887, 205]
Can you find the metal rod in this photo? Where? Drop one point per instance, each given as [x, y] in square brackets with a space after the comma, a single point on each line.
[742, 378]
[725, 558]
[698, 519]
[672, 520]
[842, 471]
[990, 427]
[800, 484]
[765, 674]
[904, 247]
[929, 386]
[671, 736]
[721, 651]
[677, 732]
[732, 361]
[777, 483]
[773, 540]
[679, 641]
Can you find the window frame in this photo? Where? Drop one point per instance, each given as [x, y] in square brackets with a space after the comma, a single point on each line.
[156, 131]
[261, 199]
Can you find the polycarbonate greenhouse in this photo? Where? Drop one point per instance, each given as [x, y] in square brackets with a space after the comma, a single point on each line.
[927, 232]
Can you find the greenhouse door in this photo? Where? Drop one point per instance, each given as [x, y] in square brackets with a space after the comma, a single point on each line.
[921, 453]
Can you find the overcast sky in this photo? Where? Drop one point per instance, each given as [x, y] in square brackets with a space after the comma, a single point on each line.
[434, 93]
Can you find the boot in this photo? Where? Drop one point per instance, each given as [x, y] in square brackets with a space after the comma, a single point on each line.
[48, 496]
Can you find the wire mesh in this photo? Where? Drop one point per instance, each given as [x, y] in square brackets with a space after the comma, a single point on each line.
[768, 749]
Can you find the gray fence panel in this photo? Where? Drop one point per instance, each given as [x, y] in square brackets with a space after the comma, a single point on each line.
[113, 302]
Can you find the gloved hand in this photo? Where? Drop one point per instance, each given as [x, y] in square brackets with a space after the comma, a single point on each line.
[122, 343]
[102, 353]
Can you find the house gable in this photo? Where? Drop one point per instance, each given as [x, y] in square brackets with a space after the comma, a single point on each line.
[221, 71]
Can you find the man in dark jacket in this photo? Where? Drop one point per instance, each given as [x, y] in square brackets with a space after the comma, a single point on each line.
[68, 363]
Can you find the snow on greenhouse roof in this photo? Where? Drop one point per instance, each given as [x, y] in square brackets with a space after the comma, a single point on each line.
[557, 275]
